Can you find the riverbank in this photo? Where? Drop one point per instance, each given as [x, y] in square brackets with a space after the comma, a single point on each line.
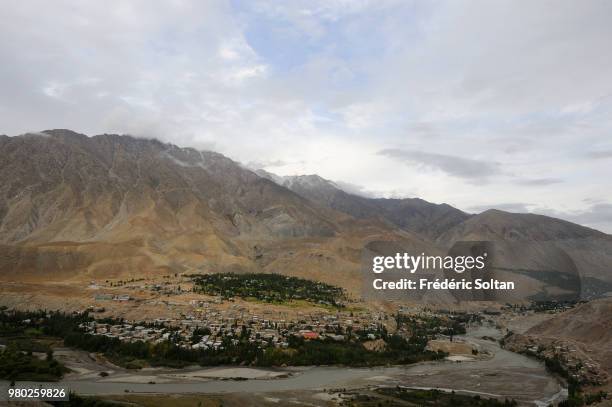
[503, 375]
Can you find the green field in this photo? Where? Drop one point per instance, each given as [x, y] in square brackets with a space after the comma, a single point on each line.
[270, 288]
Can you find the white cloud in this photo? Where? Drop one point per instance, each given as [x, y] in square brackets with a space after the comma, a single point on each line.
[54, 89]
[240, 74]
[324, 85]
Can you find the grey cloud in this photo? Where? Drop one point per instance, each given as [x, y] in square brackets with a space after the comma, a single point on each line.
[256, 165]
[597, 213]
[196, 74]
[517, 207]
[355, 189]
[600, 154]
[423, 129]
[598, 216]
[593, 201]
[539, 182]
[455, 166]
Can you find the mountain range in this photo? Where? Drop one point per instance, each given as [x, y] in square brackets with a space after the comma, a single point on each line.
[413, 214]
[74, 207]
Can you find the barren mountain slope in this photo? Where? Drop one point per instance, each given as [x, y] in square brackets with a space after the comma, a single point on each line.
[108, 206]
[566, 255]
[589, 325]
[73, 206]
[412, 214]
[495, 224]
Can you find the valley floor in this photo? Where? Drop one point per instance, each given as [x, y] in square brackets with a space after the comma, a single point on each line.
[503, 375]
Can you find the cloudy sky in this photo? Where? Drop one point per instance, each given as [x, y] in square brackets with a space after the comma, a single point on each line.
[475, 103]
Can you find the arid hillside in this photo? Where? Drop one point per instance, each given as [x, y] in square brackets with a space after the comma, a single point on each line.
[581, 338]
[552, 256]
[411, 214]
[74, 207]
[589, 324]
[108, 206]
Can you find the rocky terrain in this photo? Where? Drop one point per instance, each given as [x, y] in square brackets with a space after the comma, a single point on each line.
[580, 339]
[412, 214]
[108, 206]
[547, 257]
[550, 256]
[79, 208]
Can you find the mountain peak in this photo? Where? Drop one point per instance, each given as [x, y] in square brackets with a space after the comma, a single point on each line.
[308, 181]
[412, 214]
[63, 133]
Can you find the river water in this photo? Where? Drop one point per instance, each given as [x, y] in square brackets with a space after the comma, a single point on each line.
[502, 374]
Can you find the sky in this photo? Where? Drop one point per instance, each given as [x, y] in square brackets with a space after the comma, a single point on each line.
[478, 104]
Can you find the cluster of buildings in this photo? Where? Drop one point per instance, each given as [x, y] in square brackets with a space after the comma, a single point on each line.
[209, 327]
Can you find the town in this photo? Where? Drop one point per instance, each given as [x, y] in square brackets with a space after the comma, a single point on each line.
[207, 327]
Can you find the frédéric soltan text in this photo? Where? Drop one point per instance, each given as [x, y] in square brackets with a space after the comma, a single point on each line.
[458, 264]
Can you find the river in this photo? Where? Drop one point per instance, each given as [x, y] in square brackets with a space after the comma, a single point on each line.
[500, 374]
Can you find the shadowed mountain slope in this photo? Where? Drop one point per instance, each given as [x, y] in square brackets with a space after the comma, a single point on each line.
[73, 206]
[109, 206]
[412, 214]
[557, 250]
